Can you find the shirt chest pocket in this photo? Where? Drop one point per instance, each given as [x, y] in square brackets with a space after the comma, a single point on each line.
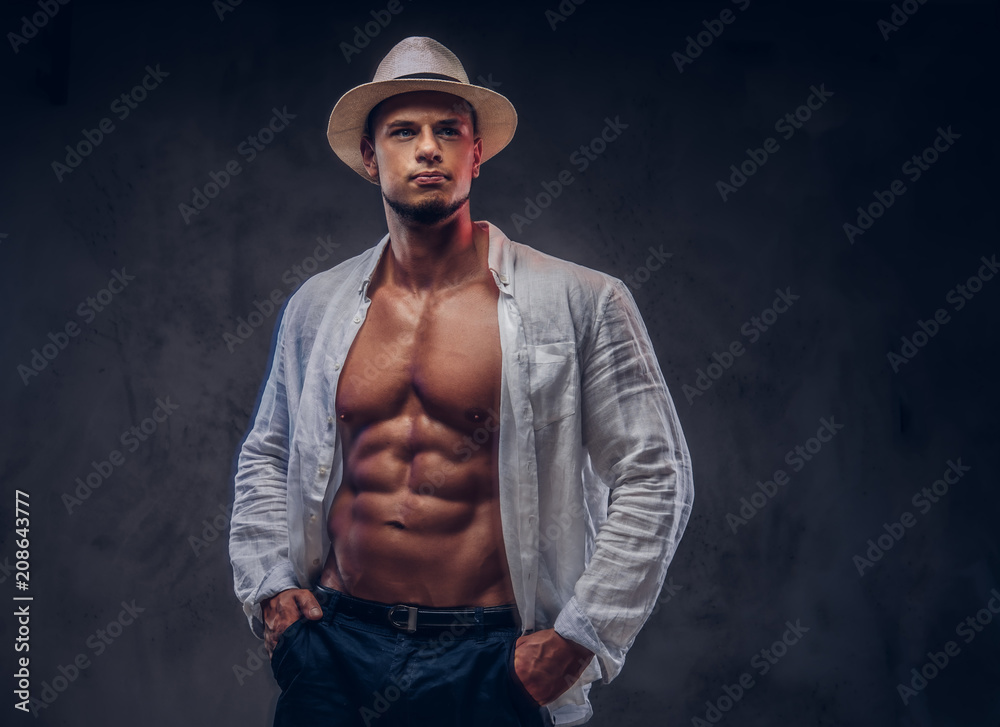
[554, 386]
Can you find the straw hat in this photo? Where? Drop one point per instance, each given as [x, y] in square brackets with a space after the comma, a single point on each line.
[417, 64]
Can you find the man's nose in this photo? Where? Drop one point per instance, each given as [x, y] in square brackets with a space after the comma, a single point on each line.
[427, 145]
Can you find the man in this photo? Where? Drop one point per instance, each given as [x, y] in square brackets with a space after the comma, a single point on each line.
[421, 529]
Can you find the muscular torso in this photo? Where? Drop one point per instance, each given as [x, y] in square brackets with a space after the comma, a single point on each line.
[416, 518]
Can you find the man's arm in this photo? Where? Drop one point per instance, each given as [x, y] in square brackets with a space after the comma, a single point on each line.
[258, 540]
[633, 435]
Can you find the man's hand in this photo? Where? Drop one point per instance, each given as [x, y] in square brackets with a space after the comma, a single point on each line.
[283, 609]
[548, 665]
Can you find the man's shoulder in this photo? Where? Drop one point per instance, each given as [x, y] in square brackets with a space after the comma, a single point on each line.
[311, 299]
[541, 273]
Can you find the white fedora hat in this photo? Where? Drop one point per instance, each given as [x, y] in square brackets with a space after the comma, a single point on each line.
[417, 64]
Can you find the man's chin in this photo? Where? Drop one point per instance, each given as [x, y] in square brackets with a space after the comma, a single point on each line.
[426, 209]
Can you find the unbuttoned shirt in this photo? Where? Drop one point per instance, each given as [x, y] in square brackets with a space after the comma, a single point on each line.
[594, 472]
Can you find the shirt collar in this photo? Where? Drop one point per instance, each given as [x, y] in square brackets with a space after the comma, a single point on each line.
[498, 259]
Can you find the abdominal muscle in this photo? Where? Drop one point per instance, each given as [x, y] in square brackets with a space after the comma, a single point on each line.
[416, 518]
[396, 537]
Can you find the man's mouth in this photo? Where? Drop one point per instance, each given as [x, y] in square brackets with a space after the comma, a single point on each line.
[429, 177]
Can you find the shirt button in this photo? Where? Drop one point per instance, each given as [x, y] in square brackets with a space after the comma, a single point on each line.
[503, 278]
[322, 470]
[312, 517]
[329, 420]
[357, 319]
[316, 561]
[336, 366]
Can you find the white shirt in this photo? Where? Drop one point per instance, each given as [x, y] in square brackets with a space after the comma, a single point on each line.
[584, 413]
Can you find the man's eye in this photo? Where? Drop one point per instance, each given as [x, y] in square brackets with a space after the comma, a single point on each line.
[400, 132]
[449, 131]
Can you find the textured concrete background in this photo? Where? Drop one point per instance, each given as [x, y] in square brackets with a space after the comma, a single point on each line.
[154, 532]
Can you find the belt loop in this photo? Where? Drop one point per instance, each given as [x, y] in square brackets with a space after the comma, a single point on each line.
[327, 598]
[480, 625]
[332, 606]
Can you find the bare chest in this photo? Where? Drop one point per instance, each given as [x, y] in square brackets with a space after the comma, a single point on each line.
[439, 358]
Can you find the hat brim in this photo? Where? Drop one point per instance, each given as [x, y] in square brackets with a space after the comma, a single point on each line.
[495, 115]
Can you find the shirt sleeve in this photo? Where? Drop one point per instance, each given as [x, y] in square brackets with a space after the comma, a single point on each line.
[258, 539]
[634, 439]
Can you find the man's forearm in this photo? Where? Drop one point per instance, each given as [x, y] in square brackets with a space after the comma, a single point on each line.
[617, 592]
[637, 448]
[259, 539]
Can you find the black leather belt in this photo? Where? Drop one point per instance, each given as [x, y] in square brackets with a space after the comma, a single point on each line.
[412, 618]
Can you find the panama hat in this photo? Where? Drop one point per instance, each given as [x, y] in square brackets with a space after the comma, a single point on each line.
[417, 64]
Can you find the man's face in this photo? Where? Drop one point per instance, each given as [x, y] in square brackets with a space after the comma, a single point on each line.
[417, 133]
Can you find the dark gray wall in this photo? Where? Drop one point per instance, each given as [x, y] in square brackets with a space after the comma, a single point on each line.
[733, 586]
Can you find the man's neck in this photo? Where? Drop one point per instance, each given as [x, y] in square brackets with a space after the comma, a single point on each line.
[426, 259]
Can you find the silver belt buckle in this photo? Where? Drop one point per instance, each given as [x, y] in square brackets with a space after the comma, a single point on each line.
[411, 619]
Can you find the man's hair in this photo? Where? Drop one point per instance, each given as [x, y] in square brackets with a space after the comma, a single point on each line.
[460, 105]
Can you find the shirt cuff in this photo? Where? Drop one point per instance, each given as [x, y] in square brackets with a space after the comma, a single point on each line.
[573, 624]
[278, 579]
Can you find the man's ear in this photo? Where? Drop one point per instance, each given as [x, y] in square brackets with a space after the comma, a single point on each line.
[477, 156]
[368, 157]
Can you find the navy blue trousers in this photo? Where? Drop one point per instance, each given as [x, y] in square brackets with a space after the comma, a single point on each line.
[340, 671]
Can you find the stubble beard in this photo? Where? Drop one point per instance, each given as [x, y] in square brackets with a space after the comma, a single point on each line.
[426, 212]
